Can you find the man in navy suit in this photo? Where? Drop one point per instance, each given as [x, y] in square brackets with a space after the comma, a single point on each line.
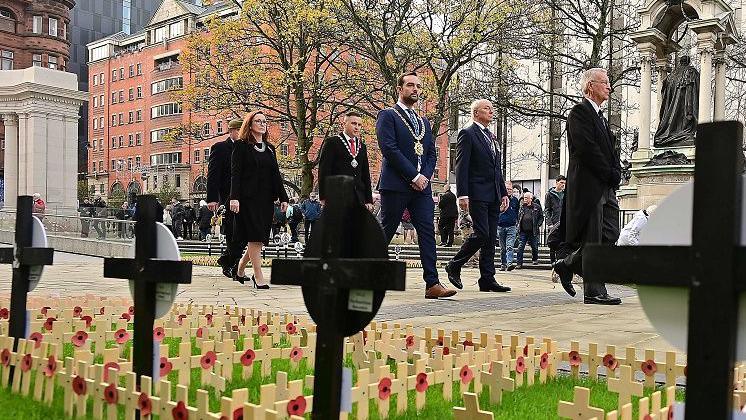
[481, 192]
[408, 150]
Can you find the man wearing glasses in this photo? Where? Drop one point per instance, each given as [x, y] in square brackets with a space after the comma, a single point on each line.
[592, 211]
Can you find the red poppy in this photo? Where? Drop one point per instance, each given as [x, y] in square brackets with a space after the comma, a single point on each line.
[37, 338]
[51, 367]
[112, 365]
[446, 351]
[101, 311]
[234, 327]
[263, 330]
[77, 311]
[44, 310]
[199, 332]
[166, 366]
[121, 336]
[131, 310]
[296, 354]
[544, 362]
[297, 407]
[440, 341]
[466, 375]
[26, 363]
[79, 338]
[525, 350]
[575, 358]
[181, 318]
[468, 343]
[88, 320]
[247, 358]
[421, 382]
[649, 367]
[158, 334]
[5, 357]
[384, 388]
[610, 362]
[410, 341]
[3, 313]
[48, 323]
[290, 328]
[520, 365]
[238, 413]
[111, 394]
[208, 360]
[144, 405]
[79, 385]
[209, 319]
[670, 412]
[647, 417]
[125, 316]
[180, 411]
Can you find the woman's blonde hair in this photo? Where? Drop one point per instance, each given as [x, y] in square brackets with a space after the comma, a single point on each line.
[244, 134]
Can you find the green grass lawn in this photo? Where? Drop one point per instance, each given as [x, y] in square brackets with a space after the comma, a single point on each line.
[537, 401]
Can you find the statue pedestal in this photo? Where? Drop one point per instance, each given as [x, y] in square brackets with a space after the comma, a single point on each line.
[649, 184]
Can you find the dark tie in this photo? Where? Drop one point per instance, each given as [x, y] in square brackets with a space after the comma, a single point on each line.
[603, 119]
[413, 119]
[488, 138]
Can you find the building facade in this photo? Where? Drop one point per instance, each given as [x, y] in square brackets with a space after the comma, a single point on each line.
[132, 110]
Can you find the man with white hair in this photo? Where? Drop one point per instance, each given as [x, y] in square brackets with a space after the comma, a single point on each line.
[480, 188]
[592, 212]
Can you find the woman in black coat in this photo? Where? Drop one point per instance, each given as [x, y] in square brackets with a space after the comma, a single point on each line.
[255, 185]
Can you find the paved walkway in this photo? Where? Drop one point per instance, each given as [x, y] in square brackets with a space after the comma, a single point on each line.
[536, 306]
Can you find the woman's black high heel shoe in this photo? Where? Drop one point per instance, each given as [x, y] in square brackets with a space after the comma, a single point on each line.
[263, 287]
[240, 279]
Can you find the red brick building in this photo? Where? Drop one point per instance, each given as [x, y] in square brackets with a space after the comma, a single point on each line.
[131, 109]
[33, 33]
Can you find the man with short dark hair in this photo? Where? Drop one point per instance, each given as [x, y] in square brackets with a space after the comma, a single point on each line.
[553, 211]
[530, 218]
[448, 215]
[408, 150]
[218, 191]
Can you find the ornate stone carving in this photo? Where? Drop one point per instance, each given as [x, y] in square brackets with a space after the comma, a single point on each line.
[669, 157]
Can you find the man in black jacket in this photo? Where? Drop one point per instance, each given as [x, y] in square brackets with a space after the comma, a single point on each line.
[218, 191]
[553, 211]
[593, 174]
[448, 215]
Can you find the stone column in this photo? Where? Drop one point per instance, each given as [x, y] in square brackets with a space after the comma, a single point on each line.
[720, 66]
[706, 49]
[22, 168]
[646, 51]
[70, 164]
[36, 154]
[11, 160]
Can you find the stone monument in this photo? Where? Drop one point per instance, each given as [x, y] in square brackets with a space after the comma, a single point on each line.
[39, 109]
[685, 95]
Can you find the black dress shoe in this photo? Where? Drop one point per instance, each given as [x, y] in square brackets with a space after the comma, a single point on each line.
[565, 275]
[241, 279]
[494, 287]
[511, 267]
[602, 300]
[454, 276]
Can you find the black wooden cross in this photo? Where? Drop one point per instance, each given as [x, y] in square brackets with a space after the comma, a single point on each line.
[347, 251]
[713, 269]
[23, 256]
[146, 270]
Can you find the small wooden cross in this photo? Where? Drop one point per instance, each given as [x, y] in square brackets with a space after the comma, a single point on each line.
[147, 271]
[712, 268]
[580, 408]
[498, 380]
[625, 385]
[471, 410]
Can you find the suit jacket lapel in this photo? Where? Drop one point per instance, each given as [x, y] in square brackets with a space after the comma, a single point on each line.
[482, 139]
[404, 115]
[600, 124]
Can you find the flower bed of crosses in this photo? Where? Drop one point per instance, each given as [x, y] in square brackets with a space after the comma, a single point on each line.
[226, 361]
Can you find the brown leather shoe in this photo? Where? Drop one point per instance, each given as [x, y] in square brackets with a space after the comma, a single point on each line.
[438, 291]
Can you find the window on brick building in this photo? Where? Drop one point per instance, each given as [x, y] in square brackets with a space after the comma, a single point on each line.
[101, 122]
[52, 26]
[95, 79]
[139, 115]
[138, 160]
[132, 94]
[121, 73]
[284, 149]
[220, 127]
[138, 139]
[52, 62]
[132, 70]
[131, 139]
[121, 141]
[101, 78]
[37, 24]
[113, 142]
[113, 97]
[129, 163]
[131, 117]
[93, 167]
[159, 34]
[114, 120]
[95, 123]
[121, 118]
[206, 129]
[206, 154]
[139, 69]
[36, 60]
[121, 96]
[6, 60]
[101, 100]
[139, 92]
[196, 155]
[95, 101]
[114, 75]
[6, 13]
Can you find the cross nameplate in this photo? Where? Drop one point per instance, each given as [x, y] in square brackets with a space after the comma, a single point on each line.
[146, 271]
[712, 269]
[347, 251]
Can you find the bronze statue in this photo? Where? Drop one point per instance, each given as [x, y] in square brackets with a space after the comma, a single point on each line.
[679, 107]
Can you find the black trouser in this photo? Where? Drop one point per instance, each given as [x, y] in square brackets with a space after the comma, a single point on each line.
[602, 227]
[484, 216]
[234, 244]
[446, 226]
[188, 230]
[293, 231]
[308, 225]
